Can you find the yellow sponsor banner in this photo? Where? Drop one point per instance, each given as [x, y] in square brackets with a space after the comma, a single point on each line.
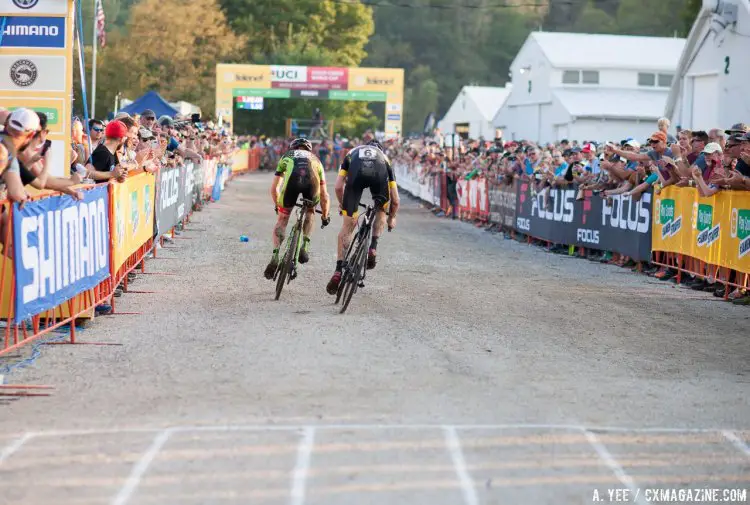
[390, 80]
[241, 160]
[133, 202]
[715, 230]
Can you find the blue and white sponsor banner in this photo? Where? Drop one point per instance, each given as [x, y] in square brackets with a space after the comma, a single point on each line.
[34, 32]
[216, 194]
[61, 249]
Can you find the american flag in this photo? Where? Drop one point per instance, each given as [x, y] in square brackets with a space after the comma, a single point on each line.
[101, 35]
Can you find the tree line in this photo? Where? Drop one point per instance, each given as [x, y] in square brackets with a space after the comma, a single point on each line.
[173, 46]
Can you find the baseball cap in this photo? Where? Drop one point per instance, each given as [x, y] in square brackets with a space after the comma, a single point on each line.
[145, 133]
[148, 113]
[575, 150]
[712, 147]
[633, 143]
[24, 120]
[166, 121]
[121, 115]
[116, 130]
[588, 148]
[660, 136]
[738, 128]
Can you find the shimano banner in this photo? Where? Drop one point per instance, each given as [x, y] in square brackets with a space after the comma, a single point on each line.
[61, 249]
[170, 199]
[503, 204]
[619, 225]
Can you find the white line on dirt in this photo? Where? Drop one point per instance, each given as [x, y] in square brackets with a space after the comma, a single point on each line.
[299, 475]
[613, 465]
[737, 442]
[454, 448]
[140, 468]
[15, 445]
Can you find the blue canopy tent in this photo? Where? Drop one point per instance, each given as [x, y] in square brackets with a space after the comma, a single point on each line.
[151, 100]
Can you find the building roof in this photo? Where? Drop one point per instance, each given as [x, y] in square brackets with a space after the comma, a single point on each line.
[487, 98]
[597, 51]
[613, 103]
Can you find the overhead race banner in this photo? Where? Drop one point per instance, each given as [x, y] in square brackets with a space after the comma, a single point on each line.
[715, 229]
[36, 67]
[133, 202]
[61, 249]
[170, 198]
[239, 85]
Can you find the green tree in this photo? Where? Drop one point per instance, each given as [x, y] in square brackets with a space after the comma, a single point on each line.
[594, 20]
[179, 60]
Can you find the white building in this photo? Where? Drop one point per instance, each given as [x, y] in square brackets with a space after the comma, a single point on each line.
[712, 87]
[471, 113]
[588, 87]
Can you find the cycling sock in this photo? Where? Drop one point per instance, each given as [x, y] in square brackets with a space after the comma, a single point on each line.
[374, 243]
[339, 265]
[305, 242]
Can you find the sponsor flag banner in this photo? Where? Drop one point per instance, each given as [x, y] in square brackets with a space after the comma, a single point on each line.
[61, 249]
[133, 202]
[715, 230]
[170, 198]
[216, 192]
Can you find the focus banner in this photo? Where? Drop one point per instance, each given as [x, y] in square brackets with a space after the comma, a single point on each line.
[715, 230]
[624, 226]
[170, 191]
[133, 202]
[61, 249]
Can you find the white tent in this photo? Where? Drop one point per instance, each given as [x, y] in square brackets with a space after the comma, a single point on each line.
[472, 111]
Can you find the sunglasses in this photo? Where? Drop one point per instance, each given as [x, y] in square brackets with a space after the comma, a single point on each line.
[95, 129]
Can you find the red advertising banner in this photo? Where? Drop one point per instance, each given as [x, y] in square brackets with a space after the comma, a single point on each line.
[336, 78]
[316, 78]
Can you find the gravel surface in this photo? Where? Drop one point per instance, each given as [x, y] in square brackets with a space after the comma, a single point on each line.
[470, 369]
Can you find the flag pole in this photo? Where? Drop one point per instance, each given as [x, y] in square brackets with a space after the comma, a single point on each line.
[94, 43]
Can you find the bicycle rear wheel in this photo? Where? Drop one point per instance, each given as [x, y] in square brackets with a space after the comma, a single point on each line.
[355, 275]
[285, 269]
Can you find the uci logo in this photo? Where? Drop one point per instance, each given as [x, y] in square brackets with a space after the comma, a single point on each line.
[25, 4]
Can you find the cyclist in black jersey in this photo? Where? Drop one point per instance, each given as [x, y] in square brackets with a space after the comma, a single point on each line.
[364, 167]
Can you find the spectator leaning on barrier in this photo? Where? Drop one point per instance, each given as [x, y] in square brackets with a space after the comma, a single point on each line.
[708, 179]
[105, 164]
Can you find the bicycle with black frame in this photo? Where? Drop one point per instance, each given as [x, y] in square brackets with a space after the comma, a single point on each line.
[286, 271]
[354, 269]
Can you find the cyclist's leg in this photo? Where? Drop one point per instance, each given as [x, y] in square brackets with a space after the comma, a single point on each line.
[380, 195]
[350, 210]
[304, 254]
[285, 205]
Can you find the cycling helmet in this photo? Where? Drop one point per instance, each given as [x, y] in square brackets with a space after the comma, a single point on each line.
[301, 143]
[377, 144]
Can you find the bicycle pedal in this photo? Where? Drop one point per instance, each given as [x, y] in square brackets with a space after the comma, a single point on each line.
[361, 284]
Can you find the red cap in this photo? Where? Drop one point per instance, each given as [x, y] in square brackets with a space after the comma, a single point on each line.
[587, 148]
[116, 130]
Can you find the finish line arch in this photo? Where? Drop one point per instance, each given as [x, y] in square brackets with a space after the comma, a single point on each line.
[253, 84]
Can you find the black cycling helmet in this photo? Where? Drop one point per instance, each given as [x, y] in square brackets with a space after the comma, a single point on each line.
[377, 144]
[301, 143]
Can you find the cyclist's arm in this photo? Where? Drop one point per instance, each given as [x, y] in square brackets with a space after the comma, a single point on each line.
[393, 190]
[325, 202]
[281, 168]
[341, 181]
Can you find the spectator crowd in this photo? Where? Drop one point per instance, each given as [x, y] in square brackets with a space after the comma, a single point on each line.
[710, 161]
[105, 151]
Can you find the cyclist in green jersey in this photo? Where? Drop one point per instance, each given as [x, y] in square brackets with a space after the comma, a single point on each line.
[299, 172]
